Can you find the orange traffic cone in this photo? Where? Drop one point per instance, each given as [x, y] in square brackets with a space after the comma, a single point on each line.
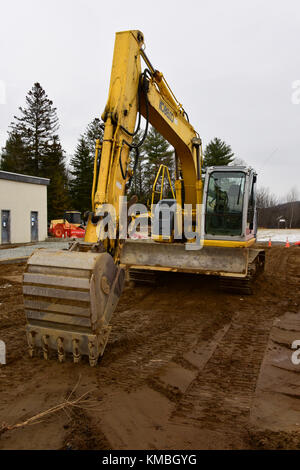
[287, 244]
[270, 242]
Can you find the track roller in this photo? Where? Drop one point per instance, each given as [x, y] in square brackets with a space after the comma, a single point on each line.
[60, 350]
[45, 346]
[76, 353]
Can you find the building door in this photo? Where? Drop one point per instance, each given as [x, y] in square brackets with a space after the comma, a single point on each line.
[5, 226]
[34, 226]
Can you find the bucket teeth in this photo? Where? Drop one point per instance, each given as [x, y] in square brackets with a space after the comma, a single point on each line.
[60, 350]
[93, 353]
[76, 354]
[31, 343]
[45, 346]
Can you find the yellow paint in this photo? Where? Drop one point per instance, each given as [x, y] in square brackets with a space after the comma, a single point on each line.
[90, 233]
[230, 243]
[221, 243]
[162, 239]
[163, 169]
[98, 148]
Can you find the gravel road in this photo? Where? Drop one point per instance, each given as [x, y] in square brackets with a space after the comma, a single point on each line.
[26, 250]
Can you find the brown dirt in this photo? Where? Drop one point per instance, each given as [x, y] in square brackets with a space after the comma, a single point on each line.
[181, 369]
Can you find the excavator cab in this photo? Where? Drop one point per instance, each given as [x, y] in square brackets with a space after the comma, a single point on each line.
[230, 211]
[227, 230]
[73, 217]
[228, 205]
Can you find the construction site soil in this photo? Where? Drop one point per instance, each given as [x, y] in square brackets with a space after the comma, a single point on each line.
[186, 367]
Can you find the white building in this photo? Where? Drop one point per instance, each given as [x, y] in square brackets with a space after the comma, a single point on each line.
[23, 208]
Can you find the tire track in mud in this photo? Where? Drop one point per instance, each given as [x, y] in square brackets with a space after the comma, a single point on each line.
[293, 273]
[136, 356]
[83, 434]
[220, 397]
[144, 339]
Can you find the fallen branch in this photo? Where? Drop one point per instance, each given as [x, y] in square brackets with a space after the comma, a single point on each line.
[40, 416]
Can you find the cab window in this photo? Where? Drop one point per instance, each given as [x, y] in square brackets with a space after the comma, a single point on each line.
[224, 205]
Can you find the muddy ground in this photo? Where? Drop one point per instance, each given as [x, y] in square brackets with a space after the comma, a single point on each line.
[186, 367]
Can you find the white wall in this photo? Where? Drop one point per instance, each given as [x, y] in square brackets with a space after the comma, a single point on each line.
[21, 199]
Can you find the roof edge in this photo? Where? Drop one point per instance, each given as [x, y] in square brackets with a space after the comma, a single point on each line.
[7, 175]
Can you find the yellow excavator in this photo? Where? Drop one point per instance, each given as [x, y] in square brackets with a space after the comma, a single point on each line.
[70, 295]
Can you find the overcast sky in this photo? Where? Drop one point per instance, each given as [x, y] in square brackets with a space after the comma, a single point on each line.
[231, 63]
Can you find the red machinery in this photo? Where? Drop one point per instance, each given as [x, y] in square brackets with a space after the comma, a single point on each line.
[68, 227]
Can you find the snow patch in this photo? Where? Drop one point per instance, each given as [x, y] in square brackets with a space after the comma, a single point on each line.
[278, 235]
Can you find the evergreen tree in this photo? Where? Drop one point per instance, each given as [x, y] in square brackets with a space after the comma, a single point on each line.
[137, 182]
[53, 164]
[36, 126]
[82, 166]
[157, 151]
[14, 154]
[93, 132]
[217, 152]
[33, 148]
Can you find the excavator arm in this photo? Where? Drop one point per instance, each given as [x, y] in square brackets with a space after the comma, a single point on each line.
[133, 93]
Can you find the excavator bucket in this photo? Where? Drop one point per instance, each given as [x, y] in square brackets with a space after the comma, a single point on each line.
[69, 298]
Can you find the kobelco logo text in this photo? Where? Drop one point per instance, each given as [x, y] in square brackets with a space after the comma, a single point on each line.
[166, 111]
